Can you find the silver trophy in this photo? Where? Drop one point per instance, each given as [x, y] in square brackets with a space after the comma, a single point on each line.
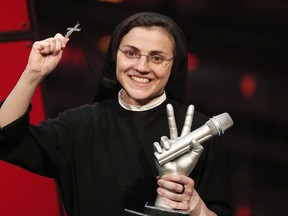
[180, 154]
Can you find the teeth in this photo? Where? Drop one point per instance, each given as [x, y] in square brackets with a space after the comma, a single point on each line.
[139, 79]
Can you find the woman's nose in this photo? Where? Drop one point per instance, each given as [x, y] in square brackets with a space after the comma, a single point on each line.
[142, 64]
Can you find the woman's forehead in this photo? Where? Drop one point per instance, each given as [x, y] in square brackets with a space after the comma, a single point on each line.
[149, 37]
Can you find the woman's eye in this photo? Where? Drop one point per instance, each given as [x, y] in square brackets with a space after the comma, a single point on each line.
[130, 53]
[157, 58]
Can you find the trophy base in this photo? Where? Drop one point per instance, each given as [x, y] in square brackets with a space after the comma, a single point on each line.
[150, 210]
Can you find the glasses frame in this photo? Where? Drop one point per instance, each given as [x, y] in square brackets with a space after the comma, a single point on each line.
[148, 57]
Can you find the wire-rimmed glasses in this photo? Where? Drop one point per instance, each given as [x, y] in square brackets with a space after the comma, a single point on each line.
[156, 59]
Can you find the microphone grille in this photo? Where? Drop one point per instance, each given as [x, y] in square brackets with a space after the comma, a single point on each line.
[218, 124]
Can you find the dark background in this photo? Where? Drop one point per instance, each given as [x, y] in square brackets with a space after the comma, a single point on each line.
[238, 64]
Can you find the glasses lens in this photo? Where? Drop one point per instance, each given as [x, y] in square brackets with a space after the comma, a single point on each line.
[156, 59]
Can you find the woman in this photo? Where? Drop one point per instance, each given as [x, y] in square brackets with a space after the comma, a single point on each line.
[101, 155]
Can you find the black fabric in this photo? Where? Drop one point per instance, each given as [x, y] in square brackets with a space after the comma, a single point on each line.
[176, 86]
[102, 158]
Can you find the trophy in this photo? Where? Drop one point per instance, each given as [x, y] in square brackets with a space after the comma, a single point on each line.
[180, 154]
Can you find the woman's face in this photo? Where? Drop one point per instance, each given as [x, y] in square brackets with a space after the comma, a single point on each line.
[141, 80]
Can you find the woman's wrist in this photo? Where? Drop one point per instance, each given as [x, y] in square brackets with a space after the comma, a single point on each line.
[31, 78]
[198, 207]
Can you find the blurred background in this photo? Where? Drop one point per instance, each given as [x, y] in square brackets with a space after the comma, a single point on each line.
[237, 64]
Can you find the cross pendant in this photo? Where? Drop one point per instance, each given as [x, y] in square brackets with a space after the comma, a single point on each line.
[71, 30]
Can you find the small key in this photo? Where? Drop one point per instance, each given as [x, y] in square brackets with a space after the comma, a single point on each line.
[71, 30]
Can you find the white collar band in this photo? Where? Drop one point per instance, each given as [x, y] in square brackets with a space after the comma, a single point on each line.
[148, 106]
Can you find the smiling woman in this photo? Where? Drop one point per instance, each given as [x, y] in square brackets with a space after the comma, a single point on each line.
[101, 155]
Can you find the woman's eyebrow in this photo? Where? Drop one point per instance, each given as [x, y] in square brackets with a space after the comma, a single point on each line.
[131, 47]
[157, 52]
[152, 52]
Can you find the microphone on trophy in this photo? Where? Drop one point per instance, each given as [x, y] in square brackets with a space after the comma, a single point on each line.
[180, 154]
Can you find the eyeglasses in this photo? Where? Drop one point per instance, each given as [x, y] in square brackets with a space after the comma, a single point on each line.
[155, 59]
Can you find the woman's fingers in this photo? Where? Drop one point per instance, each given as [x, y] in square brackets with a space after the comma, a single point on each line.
[176, 190]
[183, 205]
[51, 46]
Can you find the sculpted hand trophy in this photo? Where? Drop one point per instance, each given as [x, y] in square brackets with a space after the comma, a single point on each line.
[179, 155]
[183, 164]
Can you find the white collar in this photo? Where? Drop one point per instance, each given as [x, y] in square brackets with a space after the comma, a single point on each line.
[139, 108]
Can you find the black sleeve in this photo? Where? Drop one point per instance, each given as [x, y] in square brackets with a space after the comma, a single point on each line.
[13, 133]
[38, 149]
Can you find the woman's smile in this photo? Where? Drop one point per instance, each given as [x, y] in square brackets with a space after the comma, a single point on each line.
[140, 79]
